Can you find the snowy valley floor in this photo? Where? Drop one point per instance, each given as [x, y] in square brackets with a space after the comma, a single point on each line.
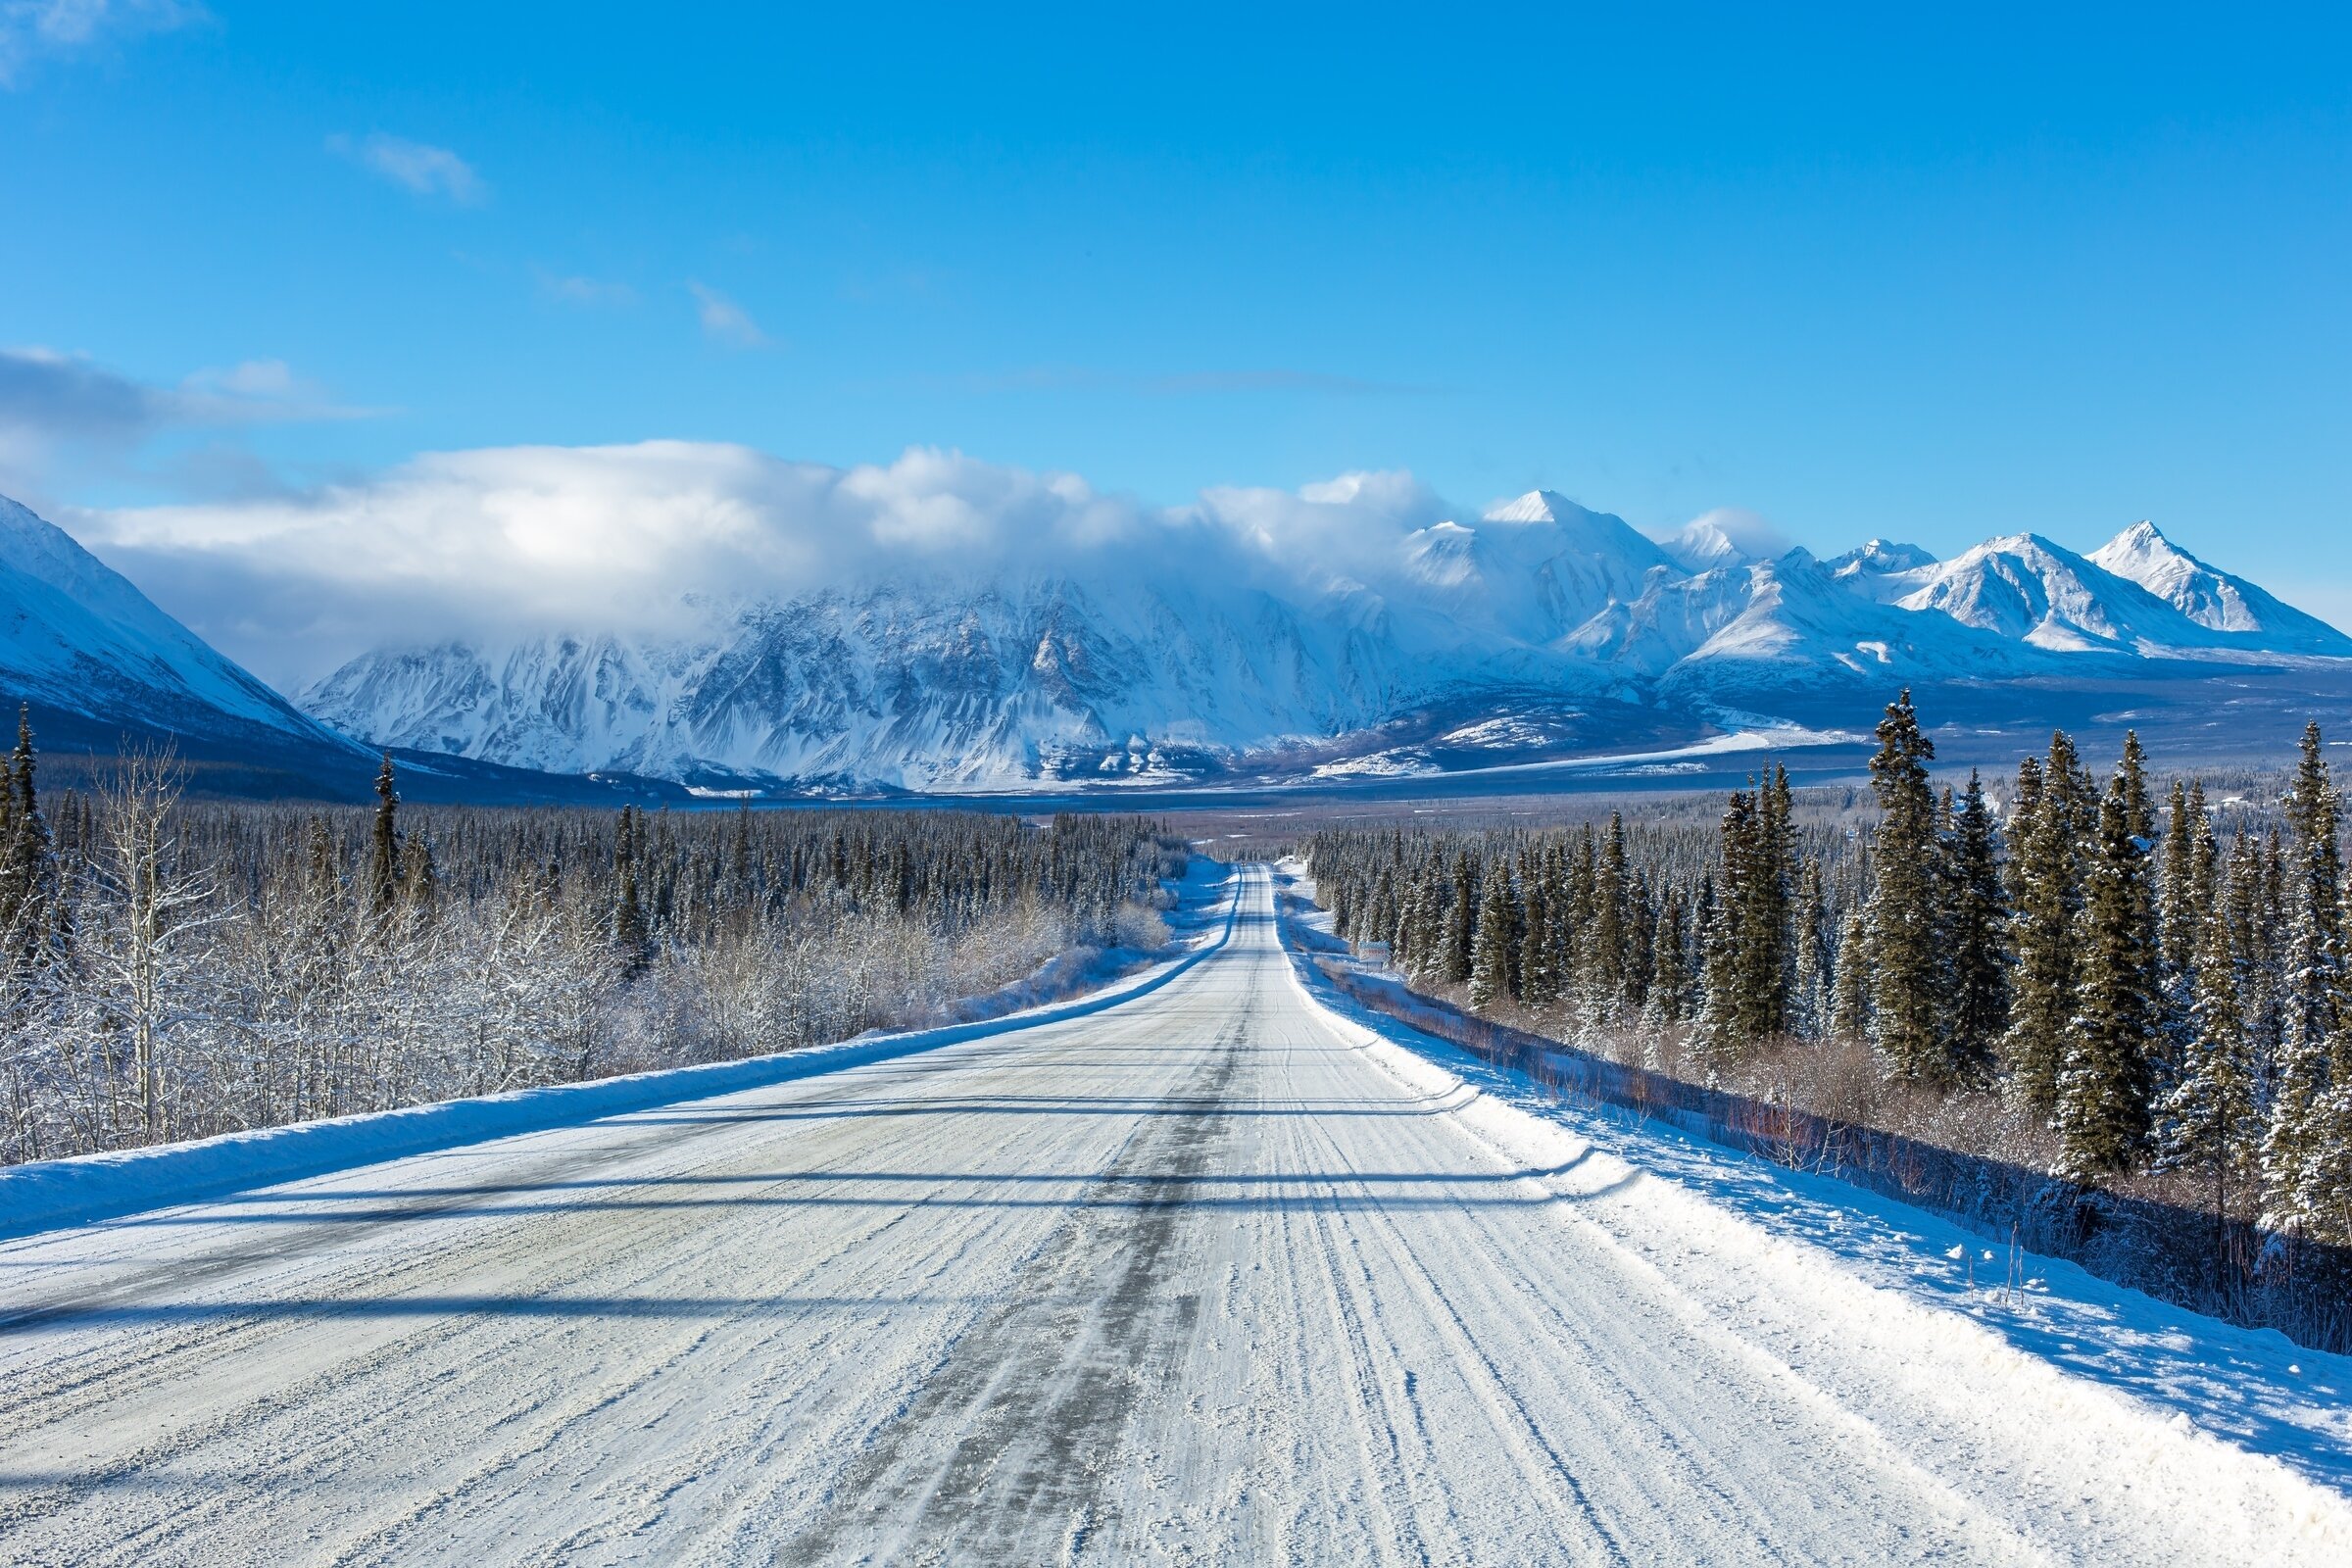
[1217, 1274]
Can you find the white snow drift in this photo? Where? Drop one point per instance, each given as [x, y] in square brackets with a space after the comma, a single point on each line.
[1213, 1276]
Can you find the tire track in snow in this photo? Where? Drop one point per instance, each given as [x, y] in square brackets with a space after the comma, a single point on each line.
[1040, 1392]
[1361, 1333]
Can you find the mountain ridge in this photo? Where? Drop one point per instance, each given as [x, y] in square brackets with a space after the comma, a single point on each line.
[1543, 632]
[1522, 625]
[106, 671]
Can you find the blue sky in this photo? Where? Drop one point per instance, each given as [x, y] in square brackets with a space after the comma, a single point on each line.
[1927, 276]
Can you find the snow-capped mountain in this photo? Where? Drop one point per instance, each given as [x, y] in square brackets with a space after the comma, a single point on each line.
[1719, 539]
[2025, 587]
[105, 671]
[1541, 629]
[1880, 557]
[79, 641]
[1533, 571]
[934, 685]
[2214, 599]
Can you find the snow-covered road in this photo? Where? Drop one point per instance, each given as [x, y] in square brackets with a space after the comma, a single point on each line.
[1209, 1277]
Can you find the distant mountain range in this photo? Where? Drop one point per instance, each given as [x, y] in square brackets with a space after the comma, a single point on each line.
[1542, 634]
[104, 670]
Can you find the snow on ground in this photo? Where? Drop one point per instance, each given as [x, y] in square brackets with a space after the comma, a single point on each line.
[1214, 1275]
[2185, 1397]
[46, 1193]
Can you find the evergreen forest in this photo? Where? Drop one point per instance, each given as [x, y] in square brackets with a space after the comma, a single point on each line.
[2121, 983]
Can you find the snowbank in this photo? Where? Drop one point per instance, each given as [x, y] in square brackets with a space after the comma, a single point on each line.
[1818, 1270]
[47, 1194]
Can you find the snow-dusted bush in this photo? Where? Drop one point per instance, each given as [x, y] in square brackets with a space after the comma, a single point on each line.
[173, 970]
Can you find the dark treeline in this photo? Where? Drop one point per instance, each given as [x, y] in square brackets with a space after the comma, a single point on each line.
[177, 968]
[2082, 978]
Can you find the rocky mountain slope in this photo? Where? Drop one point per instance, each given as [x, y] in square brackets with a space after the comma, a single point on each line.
[104, 671]
[1542, 630]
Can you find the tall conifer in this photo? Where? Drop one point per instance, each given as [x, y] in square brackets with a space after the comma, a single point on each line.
[1491, 944]
[2209, 1120]
[2046, 870]
[383, 854]
[2103, 1090]
[1461, 921]
[1976, 941]
[2295, 1142]
[1906, 950]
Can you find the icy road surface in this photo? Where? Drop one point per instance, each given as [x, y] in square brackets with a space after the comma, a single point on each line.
[1210, 1277]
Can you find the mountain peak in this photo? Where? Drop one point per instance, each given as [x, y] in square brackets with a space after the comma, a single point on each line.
[1537, 505]
[1880, 556]
[78, 637]
[2210, 597]
[1726, 537]
[2143, 542]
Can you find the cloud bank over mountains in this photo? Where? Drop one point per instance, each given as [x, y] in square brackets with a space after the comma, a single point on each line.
[715, 616]
[664, 539]
[633, 538]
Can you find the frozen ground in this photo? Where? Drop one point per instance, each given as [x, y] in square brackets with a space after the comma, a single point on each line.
[1213, 1275]
[47, 1194]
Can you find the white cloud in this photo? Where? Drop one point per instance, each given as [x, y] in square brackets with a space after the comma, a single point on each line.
[31, 28]
[1335, 531]
[256, 392]
[573, 290]
[482, 544]
[724, 320]
[1752, 531]
[416, 166]
[1701, 542]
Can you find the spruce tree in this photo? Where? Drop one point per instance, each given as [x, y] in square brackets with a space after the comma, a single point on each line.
[2276, 940]
[1604, 974]
[1849, 1011]
[2179, 916]
[1809, 1005]
[1461, 917]
[741, 895]
[1641, 943]
[630, 936]
[1584, 910]
[1537, 985]
[2295, 1141]
[29, 911]
[1490, 946]
[2253, 928]
[2103, 1091]
[1907, 1024]
[2047, 872]
[383, 859]
[1737, 998]
[2187, 861]
[1773, 920]
[1763, 917]
[1669, 978]
[1716, 1030]
[1976, 941]
[2210, 1118]
[1426, 939]
[2327, 1202]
